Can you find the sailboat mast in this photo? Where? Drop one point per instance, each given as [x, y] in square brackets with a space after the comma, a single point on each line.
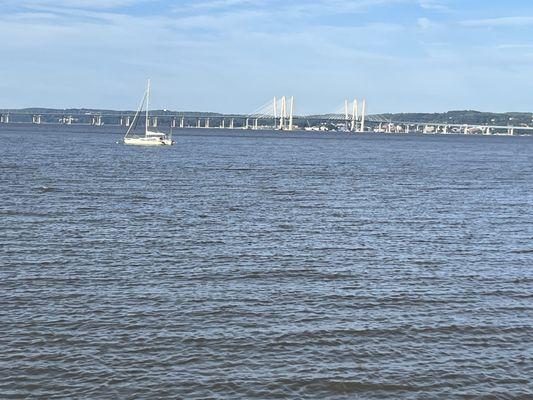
[147, 105]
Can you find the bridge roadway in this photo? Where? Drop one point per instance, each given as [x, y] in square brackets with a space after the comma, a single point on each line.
[171, 118]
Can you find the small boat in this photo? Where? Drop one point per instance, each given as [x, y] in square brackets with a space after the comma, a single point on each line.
[150, 138]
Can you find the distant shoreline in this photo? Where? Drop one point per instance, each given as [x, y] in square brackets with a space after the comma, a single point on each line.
[452, 117]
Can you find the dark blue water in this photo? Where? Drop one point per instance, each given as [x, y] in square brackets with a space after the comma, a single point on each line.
[265, 265]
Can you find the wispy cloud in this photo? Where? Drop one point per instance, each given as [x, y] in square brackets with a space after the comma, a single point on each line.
[438, 5]
[221, 4]
[230, 55]
[424, 23]
[514, 46]
[301, 7]
[516, 21]
[83, 4]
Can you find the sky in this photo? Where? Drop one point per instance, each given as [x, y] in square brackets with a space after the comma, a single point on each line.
[232, 56]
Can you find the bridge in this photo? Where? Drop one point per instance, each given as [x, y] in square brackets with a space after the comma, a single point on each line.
[276, 114]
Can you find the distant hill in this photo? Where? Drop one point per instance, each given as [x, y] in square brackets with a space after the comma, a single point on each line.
[462, 117]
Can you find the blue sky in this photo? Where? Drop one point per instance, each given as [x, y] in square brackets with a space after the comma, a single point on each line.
[234, 55]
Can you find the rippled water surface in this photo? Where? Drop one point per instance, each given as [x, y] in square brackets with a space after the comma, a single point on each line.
[265, 265]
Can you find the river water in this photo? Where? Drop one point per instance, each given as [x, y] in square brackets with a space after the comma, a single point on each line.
[265, 265]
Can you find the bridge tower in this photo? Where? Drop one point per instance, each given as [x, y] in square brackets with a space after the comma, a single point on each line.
[356, 121]
[276, 110]
[291, 113]
[283, 113]
[285, 118]
[363, 114]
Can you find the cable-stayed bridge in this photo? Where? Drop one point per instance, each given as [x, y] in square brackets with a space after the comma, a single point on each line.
[278, 113]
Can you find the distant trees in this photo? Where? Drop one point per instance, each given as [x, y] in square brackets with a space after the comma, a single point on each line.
[465, 117]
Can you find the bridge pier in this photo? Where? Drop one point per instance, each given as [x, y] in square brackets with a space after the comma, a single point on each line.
[283, 113]
[231, 124]
[173, 122]
[182, 122]
[198, 122]
[222, 124]
[207, 122]
[247, 126]
[36, 119]
[255, 124]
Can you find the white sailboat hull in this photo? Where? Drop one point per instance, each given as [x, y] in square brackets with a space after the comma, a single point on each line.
[148, 141]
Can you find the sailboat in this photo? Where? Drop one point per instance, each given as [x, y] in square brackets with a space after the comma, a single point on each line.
[150, 138]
